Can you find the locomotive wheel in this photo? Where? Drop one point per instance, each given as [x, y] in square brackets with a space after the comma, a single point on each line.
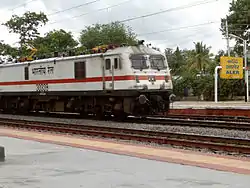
[24, 107]
[120, 116]
[99, 113]
[83, 113]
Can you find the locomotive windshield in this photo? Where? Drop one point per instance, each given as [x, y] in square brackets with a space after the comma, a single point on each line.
[157, 62]
[139, 61]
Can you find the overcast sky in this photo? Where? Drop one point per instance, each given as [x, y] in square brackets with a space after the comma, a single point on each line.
[174, 24]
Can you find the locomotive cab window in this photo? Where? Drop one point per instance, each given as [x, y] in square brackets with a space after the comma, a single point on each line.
[107, 64]
[157, 62]
[139, 61]
[80, 70]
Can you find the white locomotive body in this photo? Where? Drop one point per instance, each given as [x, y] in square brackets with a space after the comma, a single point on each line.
[124, 80]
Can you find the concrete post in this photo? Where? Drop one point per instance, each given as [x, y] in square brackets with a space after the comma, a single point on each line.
[216, 83]
[2, 153]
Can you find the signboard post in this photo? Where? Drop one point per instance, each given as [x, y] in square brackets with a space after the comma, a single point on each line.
[246, 66]
[231, 67]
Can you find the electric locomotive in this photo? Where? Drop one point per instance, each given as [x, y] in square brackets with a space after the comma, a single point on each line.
[118, 80]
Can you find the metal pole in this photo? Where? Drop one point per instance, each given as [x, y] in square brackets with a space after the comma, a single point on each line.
[216, 83]
[246, 71]
[227, 37]
[113, 80]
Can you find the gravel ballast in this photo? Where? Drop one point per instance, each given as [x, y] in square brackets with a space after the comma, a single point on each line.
[163, 128]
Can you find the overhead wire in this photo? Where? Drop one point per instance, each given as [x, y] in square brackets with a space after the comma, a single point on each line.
[178, 28]
[20, 5]
[174, 29]
[129, 19]
[169, 10]
[167, 41]
[184, 27]
[74, 7]
[197, 3]
[188, 39]
[197, 32]
[84, 14]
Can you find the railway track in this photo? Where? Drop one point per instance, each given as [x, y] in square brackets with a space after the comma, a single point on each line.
[192, 123]
[241, 146]
[222, 122]
[239, 119]
[211, 117]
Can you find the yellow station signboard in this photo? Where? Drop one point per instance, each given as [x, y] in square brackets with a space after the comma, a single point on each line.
[232, 67]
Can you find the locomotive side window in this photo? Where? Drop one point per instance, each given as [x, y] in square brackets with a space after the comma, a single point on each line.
[26, 73]
[80, 70]
[120, 63]
[107, 64]
[116, 65]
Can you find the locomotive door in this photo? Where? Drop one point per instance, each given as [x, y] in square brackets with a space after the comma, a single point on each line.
[111, 68]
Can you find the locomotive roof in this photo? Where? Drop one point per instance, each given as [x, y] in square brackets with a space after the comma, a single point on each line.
[141, 49]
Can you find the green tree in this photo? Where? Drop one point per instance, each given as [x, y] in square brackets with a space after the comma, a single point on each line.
[6, 49]
[196, 71]
[170, 59]
[101, 34]
[199, 58]
[175, 60]
[55, 41]
[26, 26]
[238, 21]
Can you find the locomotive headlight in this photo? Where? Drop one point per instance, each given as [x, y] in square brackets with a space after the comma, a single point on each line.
[151, 79]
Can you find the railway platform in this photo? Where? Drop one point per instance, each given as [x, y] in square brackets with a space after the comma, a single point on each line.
[210, 104]
[229, 108]
[36, 159]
